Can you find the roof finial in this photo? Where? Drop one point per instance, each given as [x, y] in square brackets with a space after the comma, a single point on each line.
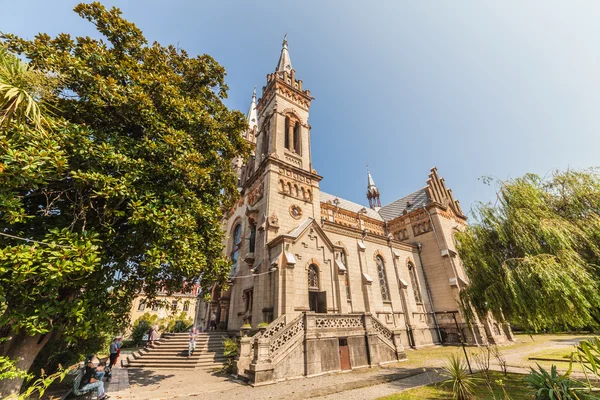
[284, 64]
[372, 192]
[252, 117]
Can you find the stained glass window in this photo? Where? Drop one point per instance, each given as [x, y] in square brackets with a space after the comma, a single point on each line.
[382, 279]
[415, 283]
[235, 248]
[313, 277]
[344, 261]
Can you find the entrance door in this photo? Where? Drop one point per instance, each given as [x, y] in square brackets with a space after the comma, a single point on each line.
[317, 301]
[312, 300]
[344, 354]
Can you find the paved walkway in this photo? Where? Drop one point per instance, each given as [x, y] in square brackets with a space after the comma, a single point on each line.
[368, 383]
[198, 384]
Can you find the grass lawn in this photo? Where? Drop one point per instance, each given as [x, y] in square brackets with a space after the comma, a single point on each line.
[514, 385]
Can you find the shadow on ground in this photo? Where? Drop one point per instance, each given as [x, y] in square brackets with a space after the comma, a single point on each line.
[572, 340]
[142, 377]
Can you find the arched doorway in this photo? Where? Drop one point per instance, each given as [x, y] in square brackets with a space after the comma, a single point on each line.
[317, 300]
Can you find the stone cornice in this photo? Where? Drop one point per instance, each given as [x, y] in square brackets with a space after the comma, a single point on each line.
[329, 226]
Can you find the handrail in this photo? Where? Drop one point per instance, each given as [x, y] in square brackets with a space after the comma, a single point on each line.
[383, 332]
[283, 336]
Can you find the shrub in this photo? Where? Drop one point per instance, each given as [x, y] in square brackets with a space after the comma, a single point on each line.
[263, 325]
[552, 385]
[230, 351]
[141, 326]
[179, 323]
[463, 384]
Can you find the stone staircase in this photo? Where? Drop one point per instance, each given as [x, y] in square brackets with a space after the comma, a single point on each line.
[171, 352]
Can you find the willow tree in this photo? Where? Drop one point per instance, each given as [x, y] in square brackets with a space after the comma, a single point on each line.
[115, 168]
[532, 258]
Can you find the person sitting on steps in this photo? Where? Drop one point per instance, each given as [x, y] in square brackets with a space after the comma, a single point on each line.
[92, 378]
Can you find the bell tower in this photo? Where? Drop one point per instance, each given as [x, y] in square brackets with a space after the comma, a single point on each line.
[283, 155]
[283, 116]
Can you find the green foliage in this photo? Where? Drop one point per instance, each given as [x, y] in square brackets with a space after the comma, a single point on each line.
[116, 165]
[532, 258]
[588, 353]
[463, 384]
[263, 325]
[230, 351]
[180, 323]
[552, 385]
[141, 327]
[8, 369]
[38, 387]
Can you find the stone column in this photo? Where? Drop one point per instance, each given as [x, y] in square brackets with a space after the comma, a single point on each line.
[261, 369]
[290, 133]
[245, 357]
[400, 353]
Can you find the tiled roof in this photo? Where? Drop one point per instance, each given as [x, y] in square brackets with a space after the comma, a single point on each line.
[350, 206]
[393, 210]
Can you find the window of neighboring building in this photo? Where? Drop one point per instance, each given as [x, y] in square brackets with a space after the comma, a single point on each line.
[142, 305]
[414, 282]
[313, 277]
[382, 279]
[186, 305]
[174, 304]
[235, 247]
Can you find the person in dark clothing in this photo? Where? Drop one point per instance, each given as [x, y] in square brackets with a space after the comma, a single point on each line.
[90, 380]
[115, 349]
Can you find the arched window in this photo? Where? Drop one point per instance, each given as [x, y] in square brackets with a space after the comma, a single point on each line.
[414, 282]
[313, 277]
[235, 247]
[265, 139]
[287, 133]
[297, 139]
[382, 279]
[345, 262]
[252, 243]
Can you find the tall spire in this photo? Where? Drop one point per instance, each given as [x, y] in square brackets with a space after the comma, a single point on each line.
[372, 192]
[252, 119]
[285, 63]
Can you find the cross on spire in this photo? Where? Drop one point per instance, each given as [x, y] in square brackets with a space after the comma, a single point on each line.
[285, 63]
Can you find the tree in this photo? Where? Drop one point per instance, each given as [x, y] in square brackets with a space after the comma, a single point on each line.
[533, 258]
[117, 181]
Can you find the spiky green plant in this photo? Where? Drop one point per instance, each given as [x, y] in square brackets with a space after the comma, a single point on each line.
[463, 383]
[554, 386]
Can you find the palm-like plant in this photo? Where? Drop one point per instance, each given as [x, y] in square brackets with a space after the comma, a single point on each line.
[463, 383]
[554, 386]
[21, 90]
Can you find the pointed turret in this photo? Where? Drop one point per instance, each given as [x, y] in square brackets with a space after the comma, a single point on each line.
[285, 63]
[252, 119]
[372, 193]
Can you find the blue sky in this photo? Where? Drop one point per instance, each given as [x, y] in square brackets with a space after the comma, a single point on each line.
[476, 88]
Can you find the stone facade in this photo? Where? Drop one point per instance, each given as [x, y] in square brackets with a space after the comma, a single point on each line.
[379, 278]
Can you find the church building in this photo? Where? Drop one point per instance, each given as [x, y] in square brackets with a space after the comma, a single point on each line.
[327, 283]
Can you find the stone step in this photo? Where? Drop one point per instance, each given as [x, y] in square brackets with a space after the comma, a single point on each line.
[194, 356]
[153, 364]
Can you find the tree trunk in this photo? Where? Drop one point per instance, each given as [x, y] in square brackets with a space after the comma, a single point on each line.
[25, 349]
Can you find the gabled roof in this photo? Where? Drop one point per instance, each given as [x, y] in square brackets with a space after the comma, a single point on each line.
[299, 231]
[350, 206]
[409, 203]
